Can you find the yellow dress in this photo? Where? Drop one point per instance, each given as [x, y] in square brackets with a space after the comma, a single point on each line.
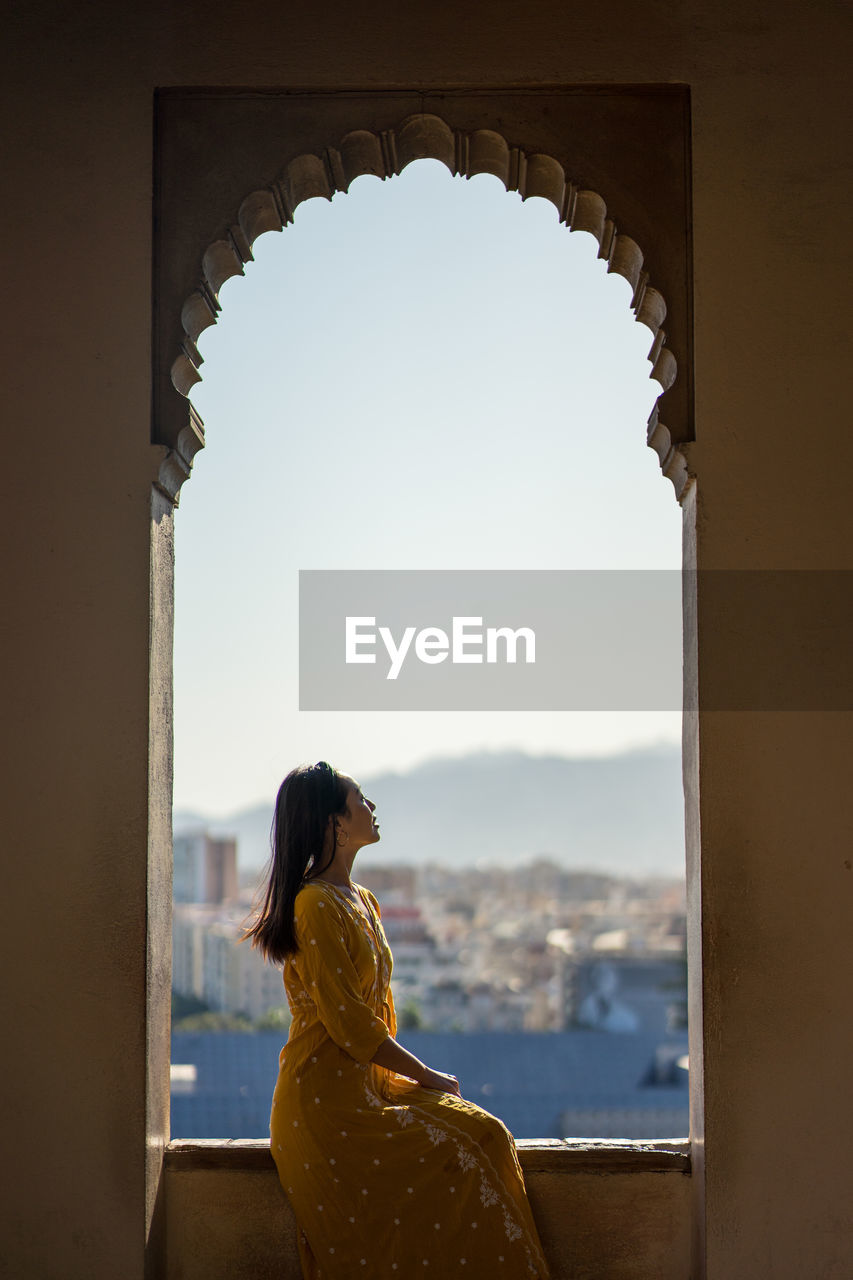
[387, 1180]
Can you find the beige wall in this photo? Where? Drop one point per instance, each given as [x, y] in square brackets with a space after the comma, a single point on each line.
[771, 200]
[228, 1215]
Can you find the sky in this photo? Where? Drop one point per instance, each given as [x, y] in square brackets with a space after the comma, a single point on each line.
[423, 373]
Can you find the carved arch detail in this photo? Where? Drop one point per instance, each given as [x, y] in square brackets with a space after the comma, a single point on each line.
[385, 154]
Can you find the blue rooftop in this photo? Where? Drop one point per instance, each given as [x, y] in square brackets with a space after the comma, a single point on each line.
[530, 1080]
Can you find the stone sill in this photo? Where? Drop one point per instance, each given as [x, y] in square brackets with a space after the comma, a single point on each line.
[537, 1155]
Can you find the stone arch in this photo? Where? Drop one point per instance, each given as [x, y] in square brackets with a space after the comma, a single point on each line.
[641, 150]
[384, 154]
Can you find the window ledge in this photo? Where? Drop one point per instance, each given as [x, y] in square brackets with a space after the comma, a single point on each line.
[537, 1155]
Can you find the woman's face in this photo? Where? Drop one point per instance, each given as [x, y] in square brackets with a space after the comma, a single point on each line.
[361, 828]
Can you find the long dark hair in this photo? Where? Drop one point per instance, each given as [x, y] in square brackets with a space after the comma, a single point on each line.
[308, 797]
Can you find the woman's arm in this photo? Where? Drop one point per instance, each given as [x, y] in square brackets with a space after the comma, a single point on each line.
[394, 1057]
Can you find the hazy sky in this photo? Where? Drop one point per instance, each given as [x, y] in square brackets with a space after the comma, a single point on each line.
[424, 373]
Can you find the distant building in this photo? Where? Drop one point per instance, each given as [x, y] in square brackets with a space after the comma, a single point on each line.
[392, 884]
[205, 868]
[413, 947]
[210, 963]
[626, 993]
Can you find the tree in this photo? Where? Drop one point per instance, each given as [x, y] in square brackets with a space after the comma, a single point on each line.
[276, 1019]
[410, 1017]
[214, 1021]
[186, 1006]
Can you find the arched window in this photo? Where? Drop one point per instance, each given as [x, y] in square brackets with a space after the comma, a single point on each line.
[435, 377]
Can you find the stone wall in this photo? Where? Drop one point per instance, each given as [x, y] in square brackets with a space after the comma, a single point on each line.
[228, 1216]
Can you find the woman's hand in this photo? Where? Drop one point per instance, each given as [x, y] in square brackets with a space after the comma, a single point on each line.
[437, 1080]
[393, 1057]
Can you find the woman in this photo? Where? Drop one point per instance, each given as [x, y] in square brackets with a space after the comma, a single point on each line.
[389, 1171]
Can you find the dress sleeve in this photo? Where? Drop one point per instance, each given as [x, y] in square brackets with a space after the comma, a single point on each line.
[392, 1013]
[331, 978]
[373, 901]
[389, 998]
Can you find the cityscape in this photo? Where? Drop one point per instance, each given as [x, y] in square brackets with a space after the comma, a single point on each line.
[558, 996]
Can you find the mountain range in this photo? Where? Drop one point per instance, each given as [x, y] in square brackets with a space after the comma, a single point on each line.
[620, 814]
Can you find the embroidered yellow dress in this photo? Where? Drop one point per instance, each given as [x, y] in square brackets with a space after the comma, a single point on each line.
[387, 1180]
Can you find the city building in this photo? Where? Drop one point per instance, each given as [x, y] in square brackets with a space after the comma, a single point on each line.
[205, 868]
[213, 965]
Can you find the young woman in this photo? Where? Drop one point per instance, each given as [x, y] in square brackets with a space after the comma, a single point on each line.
[389, 1171]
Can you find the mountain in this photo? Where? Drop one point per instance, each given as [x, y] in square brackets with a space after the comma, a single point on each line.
[619, 814]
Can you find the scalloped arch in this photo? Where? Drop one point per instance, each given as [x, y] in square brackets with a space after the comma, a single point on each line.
[384, 154]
